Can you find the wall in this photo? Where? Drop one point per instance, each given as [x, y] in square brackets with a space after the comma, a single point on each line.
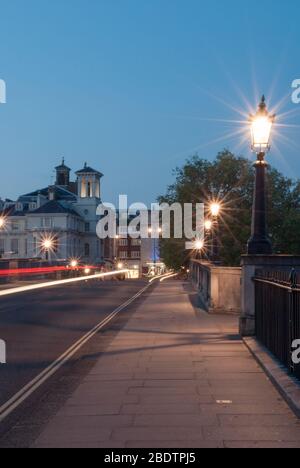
[250, 265]
[219, 287]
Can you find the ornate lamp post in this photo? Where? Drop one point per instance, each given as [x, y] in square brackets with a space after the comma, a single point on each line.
[261, 128]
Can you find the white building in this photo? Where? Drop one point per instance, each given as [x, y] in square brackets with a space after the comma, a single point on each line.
[64, 213]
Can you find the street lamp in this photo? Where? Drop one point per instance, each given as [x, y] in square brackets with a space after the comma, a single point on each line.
[261, 129]
[208, 224]
[215, 209]
[199, 244]
[2, 222]
[47, 245]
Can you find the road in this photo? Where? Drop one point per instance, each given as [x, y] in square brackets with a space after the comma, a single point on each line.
[39, 326]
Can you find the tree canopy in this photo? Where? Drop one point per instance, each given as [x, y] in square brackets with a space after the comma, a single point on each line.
[230, 179]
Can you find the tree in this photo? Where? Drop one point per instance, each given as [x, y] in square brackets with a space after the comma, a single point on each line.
[230, 179]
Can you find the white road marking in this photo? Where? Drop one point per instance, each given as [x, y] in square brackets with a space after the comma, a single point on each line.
[14, 402]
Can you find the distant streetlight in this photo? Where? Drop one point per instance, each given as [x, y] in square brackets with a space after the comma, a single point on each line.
[120, 266]
[261, 129]
[2, 222]
[215, 209]
[208, 224]
[48, 245]
[199, 244]
[74, 263]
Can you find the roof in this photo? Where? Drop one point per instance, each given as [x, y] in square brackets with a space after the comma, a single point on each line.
[88, 170]
[11, 211]
[55, 207]
[60, 194]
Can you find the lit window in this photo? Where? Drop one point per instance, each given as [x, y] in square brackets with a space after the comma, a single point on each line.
[136, 254]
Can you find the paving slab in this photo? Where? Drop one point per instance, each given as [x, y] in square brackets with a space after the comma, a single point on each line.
[174, 377]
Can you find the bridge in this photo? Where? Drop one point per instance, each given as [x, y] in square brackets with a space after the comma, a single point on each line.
[139, 364]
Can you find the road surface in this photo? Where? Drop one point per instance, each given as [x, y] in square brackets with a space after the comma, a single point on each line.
[39, 326]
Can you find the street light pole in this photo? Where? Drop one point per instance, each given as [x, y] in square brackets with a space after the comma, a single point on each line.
[261, 126]
[215, 209]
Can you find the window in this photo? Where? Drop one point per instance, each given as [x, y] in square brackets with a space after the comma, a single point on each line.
[87, 250]
[136, 254]
[32, 206]
[15, 246]
[123, 242]
[89, 189]
[47, 222]
[136, 242]
[123, 255]
[15, 226]
[87, 227]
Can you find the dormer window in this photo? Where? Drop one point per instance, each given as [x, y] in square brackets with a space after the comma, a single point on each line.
[19, 206]
[32, 206]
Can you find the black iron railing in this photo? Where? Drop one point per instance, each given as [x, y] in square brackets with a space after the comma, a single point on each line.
[277, 304]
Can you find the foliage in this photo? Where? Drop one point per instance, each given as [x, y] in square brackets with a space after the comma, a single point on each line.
[230, 179]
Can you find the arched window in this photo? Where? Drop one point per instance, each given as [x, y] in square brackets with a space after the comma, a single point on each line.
[89, 189]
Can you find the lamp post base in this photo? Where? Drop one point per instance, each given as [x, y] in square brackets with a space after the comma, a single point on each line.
[260, 247]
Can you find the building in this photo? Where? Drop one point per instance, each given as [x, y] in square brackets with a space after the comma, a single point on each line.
[57, 222]
[139, 255]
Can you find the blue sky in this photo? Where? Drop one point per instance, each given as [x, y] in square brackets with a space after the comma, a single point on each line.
[134, 87]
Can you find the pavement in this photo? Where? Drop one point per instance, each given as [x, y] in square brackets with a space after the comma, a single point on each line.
[173, 377]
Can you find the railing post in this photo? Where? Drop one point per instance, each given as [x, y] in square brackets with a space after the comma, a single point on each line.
[292, 316]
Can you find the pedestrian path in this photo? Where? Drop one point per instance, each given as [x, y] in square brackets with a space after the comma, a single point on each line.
[174, 377]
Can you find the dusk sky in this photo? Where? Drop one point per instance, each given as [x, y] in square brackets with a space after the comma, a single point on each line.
[134, 87]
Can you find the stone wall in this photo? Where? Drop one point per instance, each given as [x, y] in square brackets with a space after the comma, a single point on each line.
[219, 287]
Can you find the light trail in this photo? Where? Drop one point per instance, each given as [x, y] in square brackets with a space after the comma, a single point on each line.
[49, 284]
[44, 270]
[158, 277]
[168, 277]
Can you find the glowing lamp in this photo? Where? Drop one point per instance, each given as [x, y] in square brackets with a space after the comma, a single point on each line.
[208, 225]
[47, 244]
[215, 209]
[2, 222]
[261, 128]
[199, 244]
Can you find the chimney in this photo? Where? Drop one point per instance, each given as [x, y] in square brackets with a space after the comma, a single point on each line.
[51, 192]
